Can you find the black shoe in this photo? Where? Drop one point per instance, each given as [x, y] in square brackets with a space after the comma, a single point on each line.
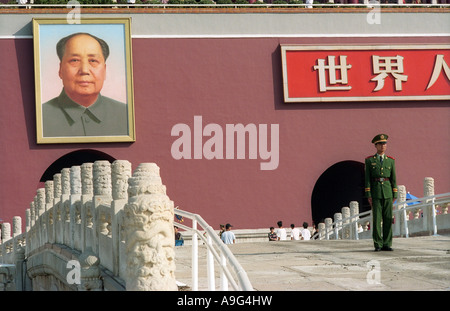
[377, 249]
[387, 248]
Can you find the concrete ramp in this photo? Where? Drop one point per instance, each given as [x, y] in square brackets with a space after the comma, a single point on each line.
[419, 263]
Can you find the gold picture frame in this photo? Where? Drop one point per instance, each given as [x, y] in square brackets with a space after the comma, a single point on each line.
[83, 80]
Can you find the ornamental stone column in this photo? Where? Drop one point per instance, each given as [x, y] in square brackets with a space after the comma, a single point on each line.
[27, 230]
[6, 231]
[65, 205]
[337, 224]
[404, 216]
[57, 208]
[321, 228]
[328, 227]
[354, 211]
[102, 196]
[149, 235]
[346, 227]
[428, 191]
[75, 207]
[49, 201]
[40, 222]
[120, 173]
[17, 226]
[87, 194]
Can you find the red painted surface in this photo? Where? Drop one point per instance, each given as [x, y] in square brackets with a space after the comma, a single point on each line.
[227, 81]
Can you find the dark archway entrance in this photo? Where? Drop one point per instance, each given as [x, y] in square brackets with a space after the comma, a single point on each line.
[74, 158]
[336, 187]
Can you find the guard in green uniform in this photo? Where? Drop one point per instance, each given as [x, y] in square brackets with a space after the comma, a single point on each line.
[380, 190]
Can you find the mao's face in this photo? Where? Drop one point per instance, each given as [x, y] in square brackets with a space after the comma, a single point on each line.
[82, 69]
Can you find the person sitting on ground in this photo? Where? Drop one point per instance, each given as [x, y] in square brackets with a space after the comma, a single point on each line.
[228, 236]
[306, 234]
[272, 235]
[295, 233]
[178, 237]
[281, 232]
[222, 230]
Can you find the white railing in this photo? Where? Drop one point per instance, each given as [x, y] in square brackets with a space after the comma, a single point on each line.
[351, 225]
[217, 252]
[427, 210]
[102, 211]
[431, 207]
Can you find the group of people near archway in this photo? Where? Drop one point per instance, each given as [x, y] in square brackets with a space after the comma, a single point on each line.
[281, 234]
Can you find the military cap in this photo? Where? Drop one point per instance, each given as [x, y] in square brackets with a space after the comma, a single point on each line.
[380, 138]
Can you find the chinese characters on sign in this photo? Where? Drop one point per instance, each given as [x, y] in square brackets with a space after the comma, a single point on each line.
[363, 73]
[383, 66]
[332, 71]
[439, 65]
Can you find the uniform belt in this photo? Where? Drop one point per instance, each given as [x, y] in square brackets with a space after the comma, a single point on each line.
[381, 179]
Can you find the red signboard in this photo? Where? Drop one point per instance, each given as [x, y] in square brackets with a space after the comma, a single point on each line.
[365, 73]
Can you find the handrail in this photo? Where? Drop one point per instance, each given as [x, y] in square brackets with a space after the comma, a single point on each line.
[424, 202]
[430, 201]
[340, 224]
[224, 256]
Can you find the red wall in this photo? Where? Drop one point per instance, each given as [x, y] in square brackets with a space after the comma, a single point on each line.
[227, 81]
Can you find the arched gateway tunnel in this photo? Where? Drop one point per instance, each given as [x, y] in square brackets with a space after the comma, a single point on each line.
[340, 184]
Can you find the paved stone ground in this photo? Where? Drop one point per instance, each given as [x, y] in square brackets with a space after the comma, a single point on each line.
[418, 263]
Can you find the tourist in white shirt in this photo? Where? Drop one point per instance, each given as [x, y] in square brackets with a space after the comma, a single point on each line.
[228, 236]
[295, 233]
[306, 234]
[281, 232]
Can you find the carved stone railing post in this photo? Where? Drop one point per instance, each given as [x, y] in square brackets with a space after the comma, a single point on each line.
[102, 198]
[337, 225]
[149, 235]
[27, 230]
[321, 228]
[428, 190]
[17, 225]
[49, 201]
[328, 227]
[35, 229]
[75, 207]
[87, 205]
[401, 223]
[27, 219]
[30, 232]
[57, 208]
[6, 231]
[354, 210]
[40, 210]
[346, 227]
[65, 205]
[120, 173]
[32, 210]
